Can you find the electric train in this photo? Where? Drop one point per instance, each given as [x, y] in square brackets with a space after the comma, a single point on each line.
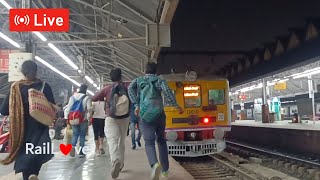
[200, 130]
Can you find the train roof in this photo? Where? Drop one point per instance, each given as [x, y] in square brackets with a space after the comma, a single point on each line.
[182, 77]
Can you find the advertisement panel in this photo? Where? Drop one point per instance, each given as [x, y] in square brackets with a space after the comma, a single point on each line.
[4, 59]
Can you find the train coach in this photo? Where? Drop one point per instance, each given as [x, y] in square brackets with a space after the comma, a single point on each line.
[200, 130]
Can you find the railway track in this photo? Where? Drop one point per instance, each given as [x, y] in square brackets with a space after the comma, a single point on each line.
[217, 168]
[300, 167]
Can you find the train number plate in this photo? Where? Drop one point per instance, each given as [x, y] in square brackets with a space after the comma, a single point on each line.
[192, 111]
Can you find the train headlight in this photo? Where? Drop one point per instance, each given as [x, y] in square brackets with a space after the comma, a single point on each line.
[171, 136]
[193, 135]
[218, 134]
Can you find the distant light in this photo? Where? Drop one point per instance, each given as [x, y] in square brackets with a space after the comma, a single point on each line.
[206, 120]
[40, 36]
[5, 4]
[9, 40]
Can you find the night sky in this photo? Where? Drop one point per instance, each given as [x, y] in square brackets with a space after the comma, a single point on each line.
[238, 25]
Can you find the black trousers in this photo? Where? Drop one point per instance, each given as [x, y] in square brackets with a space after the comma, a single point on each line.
[35, 169]
[98, 128]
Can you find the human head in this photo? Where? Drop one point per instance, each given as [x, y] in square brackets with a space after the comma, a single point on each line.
[29, 69]
[59, 105]
[116, 75]
[83, 89]
[151, 68]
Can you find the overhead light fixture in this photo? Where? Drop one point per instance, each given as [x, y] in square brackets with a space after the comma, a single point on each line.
[98, 88]
[283, 80]
[5, 4]
[79, 71]
[306, 74]
[89, 79]
[40, 35]
[95, 85]
[90, 92]
[57, 71]
[3, 36]
[53, 47]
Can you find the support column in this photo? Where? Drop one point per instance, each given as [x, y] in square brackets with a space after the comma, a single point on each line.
[311, 95]
[265, 108]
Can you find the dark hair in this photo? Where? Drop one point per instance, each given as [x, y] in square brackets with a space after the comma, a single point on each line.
[59, 105]
[83, 89]
[115, 75]
[151, 68]
[29, 69]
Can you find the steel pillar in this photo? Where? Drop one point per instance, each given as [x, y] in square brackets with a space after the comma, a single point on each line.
[311, 95]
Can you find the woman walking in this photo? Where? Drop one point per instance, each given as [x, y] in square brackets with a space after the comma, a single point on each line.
[23, 128]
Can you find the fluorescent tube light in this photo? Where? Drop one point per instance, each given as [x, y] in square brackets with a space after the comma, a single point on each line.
[40, 35]
[306, 74]
[283, 80]
[57, 71]
[5, 4]
[3, 36]
[53, 47]
[90, 92]
[95, 85]
[89, 79]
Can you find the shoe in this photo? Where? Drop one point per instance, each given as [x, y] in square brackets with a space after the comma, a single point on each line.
[133, 147]
[33, 177]
[121, 167]
[102, 152]
[98, 153]
[156, 170]
[139, 143]
[81, 155]
[115, 169]
[72, 152]
[165, 174]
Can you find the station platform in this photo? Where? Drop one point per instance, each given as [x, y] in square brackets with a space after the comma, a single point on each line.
[94, 167]
[285, 124]
[298, 138]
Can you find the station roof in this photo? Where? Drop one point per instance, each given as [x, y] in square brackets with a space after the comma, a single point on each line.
[103, 34]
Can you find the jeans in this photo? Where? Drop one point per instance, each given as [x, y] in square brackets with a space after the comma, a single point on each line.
[116, 131]
[79, 130]
[133, 133]
[156, 131]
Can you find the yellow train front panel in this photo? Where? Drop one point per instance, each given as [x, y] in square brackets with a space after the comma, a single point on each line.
[200, 129]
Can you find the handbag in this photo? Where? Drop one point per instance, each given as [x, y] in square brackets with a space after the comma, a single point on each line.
[40, 108]
[67, 135]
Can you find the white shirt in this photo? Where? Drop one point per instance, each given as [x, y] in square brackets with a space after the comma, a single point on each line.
[99, 110]
[86, 102]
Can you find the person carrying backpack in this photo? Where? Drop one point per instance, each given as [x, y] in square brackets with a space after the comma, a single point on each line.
[117, 120]
[78, 113]
[146, 93]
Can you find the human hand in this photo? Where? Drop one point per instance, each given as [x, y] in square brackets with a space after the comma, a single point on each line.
[180, 110]
[137, 111]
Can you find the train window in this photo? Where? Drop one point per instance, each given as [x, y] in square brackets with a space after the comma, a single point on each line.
[216, 96]
[192, 96]
[165, 101]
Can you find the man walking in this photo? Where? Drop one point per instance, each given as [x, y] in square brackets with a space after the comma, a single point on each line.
[149, 106]
[117, 121]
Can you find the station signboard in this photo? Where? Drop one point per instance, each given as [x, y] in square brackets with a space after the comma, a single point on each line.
[15, 62]
[280, 86]
[4, 59]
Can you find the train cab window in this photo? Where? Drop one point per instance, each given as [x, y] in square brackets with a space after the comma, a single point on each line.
[165, 100]
[216, 96]
[192, 96]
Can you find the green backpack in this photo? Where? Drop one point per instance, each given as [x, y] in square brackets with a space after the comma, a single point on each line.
[151, 105]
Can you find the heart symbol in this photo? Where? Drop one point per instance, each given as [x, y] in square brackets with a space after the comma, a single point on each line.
[65, 149]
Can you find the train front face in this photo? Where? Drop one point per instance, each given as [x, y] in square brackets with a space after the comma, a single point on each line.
[201, 128]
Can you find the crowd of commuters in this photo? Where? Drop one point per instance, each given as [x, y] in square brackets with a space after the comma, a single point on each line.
[116, 107]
